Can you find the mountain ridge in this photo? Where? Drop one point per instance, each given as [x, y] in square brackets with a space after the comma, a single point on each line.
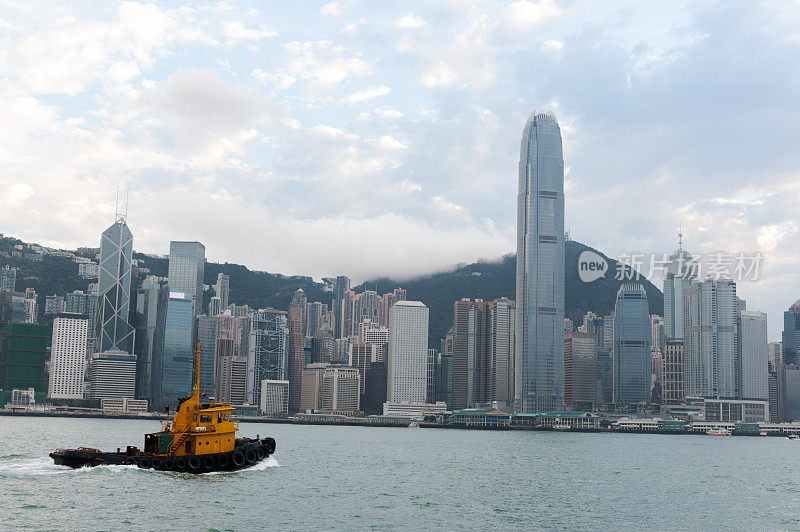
[484, 279]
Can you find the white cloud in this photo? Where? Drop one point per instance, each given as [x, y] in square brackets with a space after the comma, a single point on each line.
[389, 142]
[410, 21]
[524, 14]
[553, 45]
[237, 32]
[331, 9]
[324, 64]
[388, 114]
[368, 94]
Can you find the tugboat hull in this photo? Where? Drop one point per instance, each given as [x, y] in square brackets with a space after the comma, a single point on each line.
[248, 453]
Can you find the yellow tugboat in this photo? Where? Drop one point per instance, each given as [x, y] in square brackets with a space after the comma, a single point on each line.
[200, 438]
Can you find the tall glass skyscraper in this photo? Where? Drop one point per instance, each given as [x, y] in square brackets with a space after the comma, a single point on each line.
[632, 364]
[178, 357]
[187, 262]
[114, 287]
[791, 334]
[539, 364]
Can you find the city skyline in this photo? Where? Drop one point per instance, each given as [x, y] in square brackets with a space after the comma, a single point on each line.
[432, 138]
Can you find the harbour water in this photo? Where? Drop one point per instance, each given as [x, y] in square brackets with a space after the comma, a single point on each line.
[325, 477]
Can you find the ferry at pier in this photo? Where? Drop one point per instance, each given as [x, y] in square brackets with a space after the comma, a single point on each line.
[718, 432]
[201, 438]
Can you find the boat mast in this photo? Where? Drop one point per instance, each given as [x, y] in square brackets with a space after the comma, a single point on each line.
[196, 388]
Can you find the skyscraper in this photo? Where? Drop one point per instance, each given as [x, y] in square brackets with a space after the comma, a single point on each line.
[315, 313]
[791, 334]
[296, 355]
[580, 369]
[68, 357]
[267, 354]
[470, 352]
[79, 302]
[753, 356]
[222, 288]
[539, 375]
[710, 339]
[151, 310]
[408, 353]
[681, 270]
[177, 360]
[114, 287]
[339, 286]
[501, 351]
[632, 363]
[8, 279]
[27, 356]
[187, 262]
[215, 306]
[207, 336]
[672, 372]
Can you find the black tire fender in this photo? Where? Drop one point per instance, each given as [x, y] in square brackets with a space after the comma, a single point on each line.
[223, 460]
[157, 463]
[269, 443]
[144, 463]
[209, 462]
[180, 463]
[169, 464]
[194, 463]
[237, 457]
[251, 456]
[260, 452]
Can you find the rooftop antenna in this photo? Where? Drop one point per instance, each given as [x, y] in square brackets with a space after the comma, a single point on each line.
[116, 205]
[680, 236]
[127, 192]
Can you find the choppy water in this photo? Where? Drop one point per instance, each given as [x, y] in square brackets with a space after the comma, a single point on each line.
[360, 478]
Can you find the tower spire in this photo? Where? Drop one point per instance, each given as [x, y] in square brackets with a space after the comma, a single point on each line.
[680, 237]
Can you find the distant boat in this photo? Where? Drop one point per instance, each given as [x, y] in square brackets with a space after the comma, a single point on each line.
[793, 437]
[718, 432]
[562, 427]
[762, 433]
[413, 425]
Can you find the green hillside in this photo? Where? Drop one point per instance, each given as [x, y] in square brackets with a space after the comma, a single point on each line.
[485, 280]
[491, 280]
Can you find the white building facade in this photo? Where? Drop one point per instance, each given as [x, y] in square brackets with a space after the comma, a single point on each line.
[274, 397]
[68, 357]
[408, 352]
[753, 356]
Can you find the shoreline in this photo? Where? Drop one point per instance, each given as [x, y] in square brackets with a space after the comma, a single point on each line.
[396, 423]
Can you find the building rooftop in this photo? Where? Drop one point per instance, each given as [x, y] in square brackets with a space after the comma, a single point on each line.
[410, 304]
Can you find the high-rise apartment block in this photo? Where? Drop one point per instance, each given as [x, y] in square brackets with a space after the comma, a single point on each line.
[539, 375]
[502, 320]
[222, 289]
[408, 352]
[753, 356]
[580, 369]
[710, 357]
[672, 373]
[68, 357]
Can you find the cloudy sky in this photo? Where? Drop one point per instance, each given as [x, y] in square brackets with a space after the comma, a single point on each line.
[374, 138]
